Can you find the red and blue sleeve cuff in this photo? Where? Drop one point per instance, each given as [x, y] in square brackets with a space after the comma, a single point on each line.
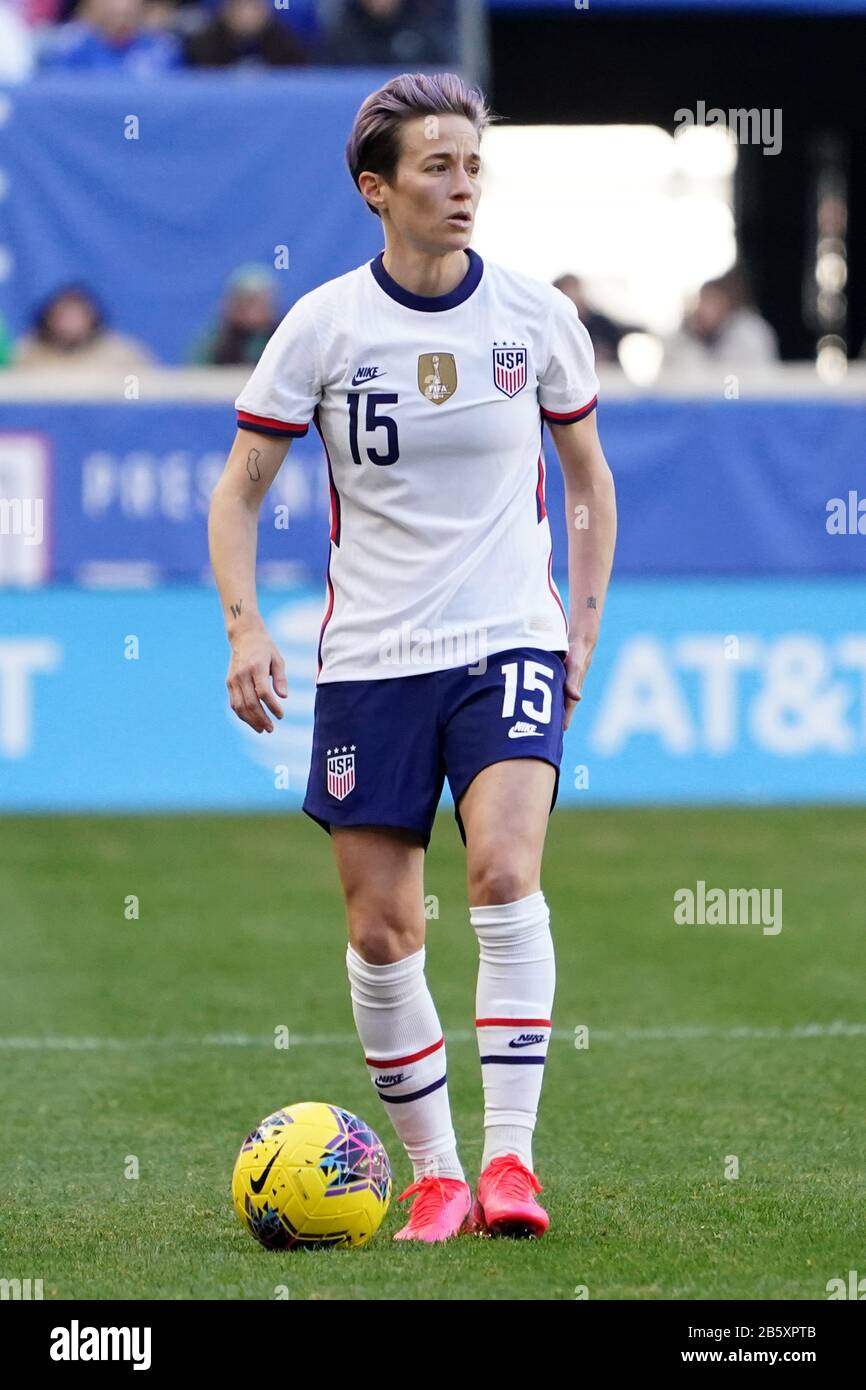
[262, 424]
[569, 417]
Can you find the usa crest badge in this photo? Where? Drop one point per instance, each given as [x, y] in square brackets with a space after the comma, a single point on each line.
[341, 771]
[437, 376]
[509, 369]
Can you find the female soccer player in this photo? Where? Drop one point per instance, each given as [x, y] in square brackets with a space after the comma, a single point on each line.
[445, 649]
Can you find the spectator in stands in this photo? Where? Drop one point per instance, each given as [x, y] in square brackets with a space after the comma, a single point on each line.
[37, 12]
[245, 32]
[69, 331]
[7, 348]
[111, 36]
[724, 326]
[368, 33]
[248, 318]
[604, 332]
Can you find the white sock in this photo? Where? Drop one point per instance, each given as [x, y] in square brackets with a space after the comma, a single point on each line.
[513, 1005]
[405, 1054]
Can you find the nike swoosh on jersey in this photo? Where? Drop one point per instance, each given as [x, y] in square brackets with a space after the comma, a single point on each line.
[368, 376]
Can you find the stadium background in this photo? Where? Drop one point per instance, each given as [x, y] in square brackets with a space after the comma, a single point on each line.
[724, 494]
[732, 664]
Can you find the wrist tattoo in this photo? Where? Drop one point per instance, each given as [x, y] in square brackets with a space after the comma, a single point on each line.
[236, 608]
[253, 465]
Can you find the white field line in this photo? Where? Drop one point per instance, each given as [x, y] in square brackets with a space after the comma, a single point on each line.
[837, 1029]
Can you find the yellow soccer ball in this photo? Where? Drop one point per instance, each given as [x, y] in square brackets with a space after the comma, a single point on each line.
[312, 1175]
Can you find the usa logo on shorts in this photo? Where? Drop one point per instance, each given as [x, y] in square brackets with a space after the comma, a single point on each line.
[341, 771]
[509, 369]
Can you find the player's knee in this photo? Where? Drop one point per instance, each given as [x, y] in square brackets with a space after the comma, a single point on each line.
[500, 879]
[381, 936]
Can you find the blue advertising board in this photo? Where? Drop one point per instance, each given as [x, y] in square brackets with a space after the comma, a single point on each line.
[724, 691]
[718, 487]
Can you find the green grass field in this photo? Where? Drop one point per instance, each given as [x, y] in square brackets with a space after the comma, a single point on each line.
[154, 1038]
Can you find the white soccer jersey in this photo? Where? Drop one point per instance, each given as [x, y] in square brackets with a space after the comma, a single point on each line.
[431, 413]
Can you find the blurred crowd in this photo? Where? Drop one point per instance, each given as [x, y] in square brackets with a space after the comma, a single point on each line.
[71, 329]
[150, 37]
[144, 38]
[720, 327]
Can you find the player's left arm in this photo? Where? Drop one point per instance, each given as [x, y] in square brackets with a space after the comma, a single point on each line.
[590, 511]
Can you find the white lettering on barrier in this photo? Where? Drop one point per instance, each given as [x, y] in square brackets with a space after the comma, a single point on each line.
[793, 695]
[20, 661]
[177, 487]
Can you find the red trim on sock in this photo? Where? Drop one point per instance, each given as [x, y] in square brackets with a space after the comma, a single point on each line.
[402, 1061]
[509, 1022]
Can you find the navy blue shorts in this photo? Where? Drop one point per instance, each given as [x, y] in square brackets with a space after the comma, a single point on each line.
[383, 748]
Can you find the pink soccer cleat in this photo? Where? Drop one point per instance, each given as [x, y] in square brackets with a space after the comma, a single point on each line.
[438, 1211]
[506, 1205]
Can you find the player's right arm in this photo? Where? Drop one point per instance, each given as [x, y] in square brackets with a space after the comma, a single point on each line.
[255, 665]
[277, 404]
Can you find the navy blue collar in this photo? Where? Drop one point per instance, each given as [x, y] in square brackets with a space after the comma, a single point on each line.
[435, 302]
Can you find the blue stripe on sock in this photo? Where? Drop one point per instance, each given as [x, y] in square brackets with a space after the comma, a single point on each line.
[416, 1095]
[516, 1061]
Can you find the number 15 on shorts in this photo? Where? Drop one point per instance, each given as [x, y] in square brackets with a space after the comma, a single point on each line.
[536, 678]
